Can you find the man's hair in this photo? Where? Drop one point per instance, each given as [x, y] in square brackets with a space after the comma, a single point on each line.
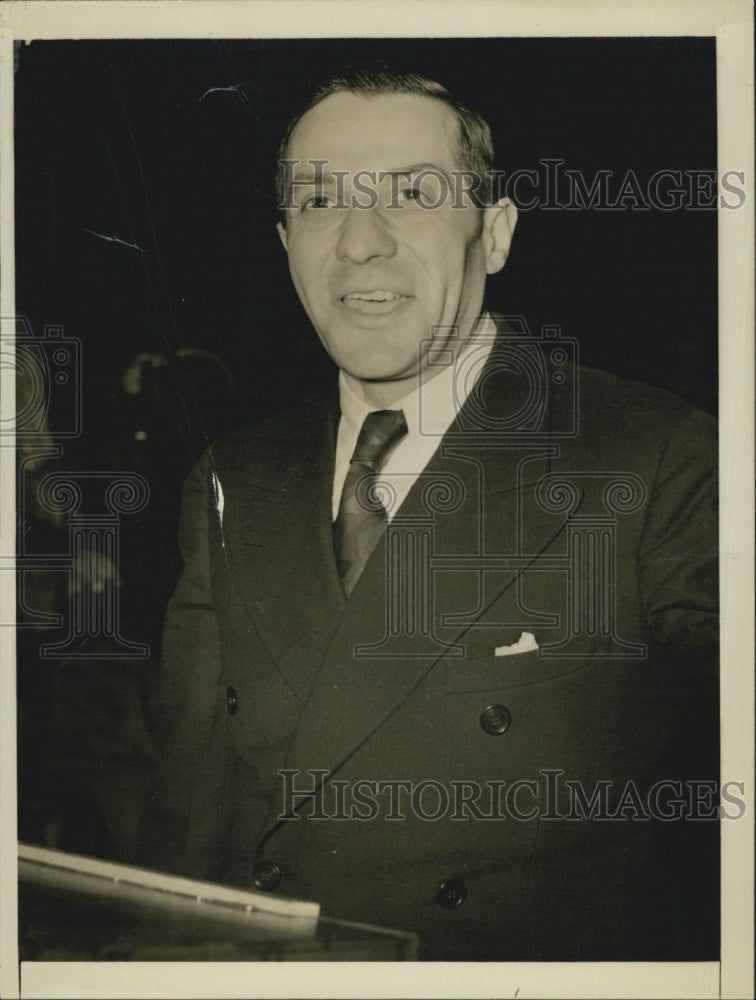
[373, 79]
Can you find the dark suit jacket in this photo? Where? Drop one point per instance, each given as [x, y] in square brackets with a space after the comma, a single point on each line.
[581, 510]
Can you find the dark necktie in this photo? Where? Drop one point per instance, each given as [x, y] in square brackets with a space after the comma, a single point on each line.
[362, 517]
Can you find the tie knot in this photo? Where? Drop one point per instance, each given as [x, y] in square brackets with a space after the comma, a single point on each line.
[380, 431]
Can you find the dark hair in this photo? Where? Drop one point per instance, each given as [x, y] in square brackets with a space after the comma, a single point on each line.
[474, 148]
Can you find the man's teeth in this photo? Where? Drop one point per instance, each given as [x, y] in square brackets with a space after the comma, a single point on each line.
[379, 295]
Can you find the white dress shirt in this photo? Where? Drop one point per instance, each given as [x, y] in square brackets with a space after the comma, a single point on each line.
[429, 411]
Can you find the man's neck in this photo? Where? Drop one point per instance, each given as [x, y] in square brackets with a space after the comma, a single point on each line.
[381, 395]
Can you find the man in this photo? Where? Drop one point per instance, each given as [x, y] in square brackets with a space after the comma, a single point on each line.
[441, 655]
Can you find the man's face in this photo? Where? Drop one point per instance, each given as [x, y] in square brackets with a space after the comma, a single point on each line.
[378, 276]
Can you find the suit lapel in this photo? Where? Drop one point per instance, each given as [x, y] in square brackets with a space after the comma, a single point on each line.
[280, 549]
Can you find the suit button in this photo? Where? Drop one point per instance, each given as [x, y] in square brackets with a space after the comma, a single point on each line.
[451, 893]
[266, 875]
[495, 720]
[231, 703]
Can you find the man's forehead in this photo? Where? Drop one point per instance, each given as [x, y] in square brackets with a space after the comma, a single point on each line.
[376, 131]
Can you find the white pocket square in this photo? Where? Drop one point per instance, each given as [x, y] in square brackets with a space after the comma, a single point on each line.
[525, 644]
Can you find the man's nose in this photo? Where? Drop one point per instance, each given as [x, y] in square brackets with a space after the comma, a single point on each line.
[364, 234]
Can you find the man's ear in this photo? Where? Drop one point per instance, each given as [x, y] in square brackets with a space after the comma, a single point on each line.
[282, 235]
[499, 223]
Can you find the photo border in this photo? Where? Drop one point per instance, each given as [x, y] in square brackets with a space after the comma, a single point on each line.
[731, 23]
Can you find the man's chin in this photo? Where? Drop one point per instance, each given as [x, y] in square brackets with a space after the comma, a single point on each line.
[367, 362]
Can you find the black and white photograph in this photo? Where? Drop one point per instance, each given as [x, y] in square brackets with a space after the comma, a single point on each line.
[373, 388]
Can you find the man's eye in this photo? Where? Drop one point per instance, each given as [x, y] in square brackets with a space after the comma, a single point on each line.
[317, 201]
[413, 194]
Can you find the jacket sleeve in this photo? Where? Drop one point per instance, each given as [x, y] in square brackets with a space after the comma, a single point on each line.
[679, 585]
[179, 831]
[678, 555]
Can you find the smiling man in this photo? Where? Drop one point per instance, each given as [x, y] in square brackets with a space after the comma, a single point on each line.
[388, 272]
[443, 654]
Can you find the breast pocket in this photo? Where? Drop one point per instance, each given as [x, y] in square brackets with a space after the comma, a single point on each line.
[480, 669]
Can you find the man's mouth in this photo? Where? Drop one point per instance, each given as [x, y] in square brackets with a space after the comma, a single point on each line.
[377, 295]
[375, 301]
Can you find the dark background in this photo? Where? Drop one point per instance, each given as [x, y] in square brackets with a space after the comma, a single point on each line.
[122, 138]
[116, 137]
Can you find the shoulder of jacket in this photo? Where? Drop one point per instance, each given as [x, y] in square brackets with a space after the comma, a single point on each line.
[270, 441]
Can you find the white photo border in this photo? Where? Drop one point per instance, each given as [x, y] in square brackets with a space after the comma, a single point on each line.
[731, 23]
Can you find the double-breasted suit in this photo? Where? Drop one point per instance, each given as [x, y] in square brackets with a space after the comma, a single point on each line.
[491, 802]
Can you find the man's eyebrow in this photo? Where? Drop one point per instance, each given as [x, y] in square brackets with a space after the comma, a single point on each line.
[312, 176]
[416, 168]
